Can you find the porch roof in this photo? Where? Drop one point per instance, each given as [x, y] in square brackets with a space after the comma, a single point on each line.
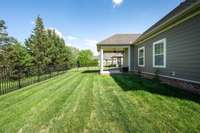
[118, 40]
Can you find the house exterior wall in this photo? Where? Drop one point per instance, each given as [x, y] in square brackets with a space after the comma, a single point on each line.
[182, 51]
[125, 59]
[132, 57]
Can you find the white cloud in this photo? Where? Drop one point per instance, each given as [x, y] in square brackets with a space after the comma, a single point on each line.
[71, 38]
[57, 32]
[82, 43]
[32, 22]
[91, 42]
[117, 2]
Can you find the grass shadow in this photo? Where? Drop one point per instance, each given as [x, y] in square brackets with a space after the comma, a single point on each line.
[90, 71]
[131, 82]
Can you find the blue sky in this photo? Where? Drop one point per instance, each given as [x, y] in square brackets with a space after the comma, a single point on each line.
[84, 22]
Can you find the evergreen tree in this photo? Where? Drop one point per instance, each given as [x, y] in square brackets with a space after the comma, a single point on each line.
[37, 44]
[3, 33]
[17, 56]
[5, 42]
[56, 51]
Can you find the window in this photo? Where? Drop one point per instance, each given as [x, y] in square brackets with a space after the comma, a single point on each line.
[141, 57]
[159, 54]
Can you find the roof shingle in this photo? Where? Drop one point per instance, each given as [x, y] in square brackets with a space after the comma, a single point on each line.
[120, 39]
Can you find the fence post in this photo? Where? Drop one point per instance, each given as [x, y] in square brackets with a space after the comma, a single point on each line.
[19, 77]
[1, 83]
[50, 71]
[38, 74]
[56, 68]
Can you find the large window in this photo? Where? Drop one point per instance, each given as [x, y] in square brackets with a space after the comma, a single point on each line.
[141, 57]
[159, 54]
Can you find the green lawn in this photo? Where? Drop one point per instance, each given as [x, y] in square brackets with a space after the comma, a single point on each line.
[83, 101]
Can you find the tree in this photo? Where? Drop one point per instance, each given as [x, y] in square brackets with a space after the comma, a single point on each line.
[52, 51]
[57, 52]
[61, 49]
[5, 42]
[4, 38]
[17, 56]
[3, 33]
[72, 56]
[94, 62]
[86, 58]
[37, 44]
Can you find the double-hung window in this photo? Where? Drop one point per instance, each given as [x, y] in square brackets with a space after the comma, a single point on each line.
[159, 54]
[141, 57]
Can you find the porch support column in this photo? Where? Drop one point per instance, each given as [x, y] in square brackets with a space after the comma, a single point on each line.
[129, 58]
[101, 60]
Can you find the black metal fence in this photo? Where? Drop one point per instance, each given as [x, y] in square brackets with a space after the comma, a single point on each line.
[18, 77]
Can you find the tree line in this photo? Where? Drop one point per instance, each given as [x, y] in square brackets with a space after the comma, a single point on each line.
[43, 48]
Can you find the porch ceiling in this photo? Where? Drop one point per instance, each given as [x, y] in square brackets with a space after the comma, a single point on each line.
[112, 48]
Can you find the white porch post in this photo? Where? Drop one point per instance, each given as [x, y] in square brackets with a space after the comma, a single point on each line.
[101, 60]
[129, 58]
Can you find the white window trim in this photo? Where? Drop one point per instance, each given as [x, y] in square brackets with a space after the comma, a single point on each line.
[141, 48]
[164, 52]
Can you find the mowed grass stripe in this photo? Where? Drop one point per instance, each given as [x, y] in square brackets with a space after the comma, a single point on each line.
[99, 116]
[83, 107]
[93, 124]
[77, 110]
[113, 106]
[28, 103]
[24, 106]
[131, 111]
[50, 110]
[120, 107]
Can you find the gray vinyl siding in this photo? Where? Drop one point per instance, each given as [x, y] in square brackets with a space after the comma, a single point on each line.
[132, 57]
[182, 51]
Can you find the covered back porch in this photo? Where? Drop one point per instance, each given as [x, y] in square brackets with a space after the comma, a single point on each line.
[118, 43]
[121, 58]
